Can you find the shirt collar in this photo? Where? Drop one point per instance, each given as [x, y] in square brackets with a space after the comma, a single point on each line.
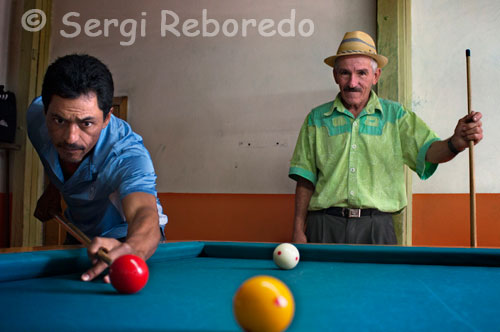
[83, 172]
[371, 107]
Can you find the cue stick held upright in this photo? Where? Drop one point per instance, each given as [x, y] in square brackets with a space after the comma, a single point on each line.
[80, 236]
[473, 234]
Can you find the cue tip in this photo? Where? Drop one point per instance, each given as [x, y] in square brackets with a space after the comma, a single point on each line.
[467, 52]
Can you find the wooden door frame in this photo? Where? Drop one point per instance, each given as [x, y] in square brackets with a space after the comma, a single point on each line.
[394, 41]
[27, 174]
[120, 107]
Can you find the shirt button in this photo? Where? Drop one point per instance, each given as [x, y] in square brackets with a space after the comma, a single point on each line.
[353, 170]
[355, 124]
[354, 146]
[351, 193]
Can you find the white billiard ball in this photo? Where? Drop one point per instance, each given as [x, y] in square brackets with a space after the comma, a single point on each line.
[286, 256]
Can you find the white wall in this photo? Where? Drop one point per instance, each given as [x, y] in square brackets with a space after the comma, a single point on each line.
[441, 32]
[218, 114]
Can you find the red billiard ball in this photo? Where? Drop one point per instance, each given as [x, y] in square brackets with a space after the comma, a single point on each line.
[128, 274]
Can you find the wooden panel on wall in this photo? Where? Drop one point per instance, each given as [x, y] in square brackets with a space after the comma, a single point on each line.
[443, 220]
[27, 173]
[229, 217]
[120, 107]
[4, 225]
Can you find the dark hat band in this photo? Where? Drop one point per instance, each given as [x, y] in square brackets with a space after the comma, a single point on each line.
[356, 40]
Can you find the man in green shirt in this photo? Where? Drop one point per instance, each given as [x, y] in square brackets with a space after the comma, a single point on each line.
[349, 157]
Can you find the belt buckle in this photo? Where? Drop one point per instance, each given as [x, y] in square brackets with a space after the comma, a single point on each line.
[352, 213]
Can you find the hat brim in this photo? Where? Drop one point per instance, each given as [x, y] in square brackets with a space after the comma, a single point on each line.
[381, 60]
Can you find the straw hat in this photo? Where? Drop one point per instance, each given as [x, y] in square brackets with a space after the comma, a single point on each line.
[354, 43]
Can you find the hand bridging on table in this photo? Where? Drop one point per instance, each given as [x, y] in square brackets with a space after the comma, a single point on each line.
[114, 249]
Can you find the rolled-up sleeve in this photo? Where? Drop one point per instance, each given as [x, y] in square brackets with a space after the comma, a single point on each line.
[416, 138]
[303, 163]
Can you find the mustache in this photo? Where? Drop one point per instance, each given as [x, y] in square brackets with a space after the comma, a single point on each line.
[348, 89]
[70, 146]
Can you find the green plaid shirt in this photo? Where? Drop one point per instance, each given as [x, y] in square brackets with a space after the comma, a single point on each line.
[358, 162]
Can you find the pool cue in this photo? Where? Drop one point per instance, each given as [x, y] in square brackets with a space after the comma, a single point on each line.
[80, 236]
[473, 234]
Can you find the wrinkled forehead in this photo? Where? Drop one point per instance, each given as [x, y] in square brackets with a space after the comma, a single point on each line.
[82, 107]
[356, 60]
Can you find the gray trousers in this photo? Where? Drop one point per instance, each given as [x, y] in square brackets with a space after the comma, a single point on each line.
[377, 228]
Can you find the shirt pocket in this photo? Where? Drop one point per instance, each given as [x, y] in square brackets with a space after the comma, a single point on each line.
[371, 125]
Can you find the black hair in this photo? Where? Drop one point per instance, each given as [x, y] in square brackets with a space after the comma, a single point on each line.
[74, 75]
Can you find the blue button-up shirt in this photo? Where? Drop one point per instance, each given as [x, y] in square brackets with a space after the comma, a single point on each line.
[118, 165]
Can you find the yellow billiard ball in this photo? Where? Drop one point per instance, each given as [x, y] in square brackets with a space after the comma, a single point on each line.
[263, 304]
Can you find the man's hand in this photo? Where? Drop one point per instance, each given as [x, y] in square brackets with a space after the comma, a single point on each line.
[469, 128]
[303, 193]
[114, 249]
[299, 236]
[142, 238]
[48, 204]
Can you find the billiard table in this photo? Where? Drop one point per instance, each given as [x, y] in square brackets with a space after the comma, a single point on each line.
[192, 284]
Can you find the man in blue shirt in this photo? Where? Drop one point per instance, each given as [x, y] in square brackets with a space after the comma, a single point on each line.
[95, 162]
